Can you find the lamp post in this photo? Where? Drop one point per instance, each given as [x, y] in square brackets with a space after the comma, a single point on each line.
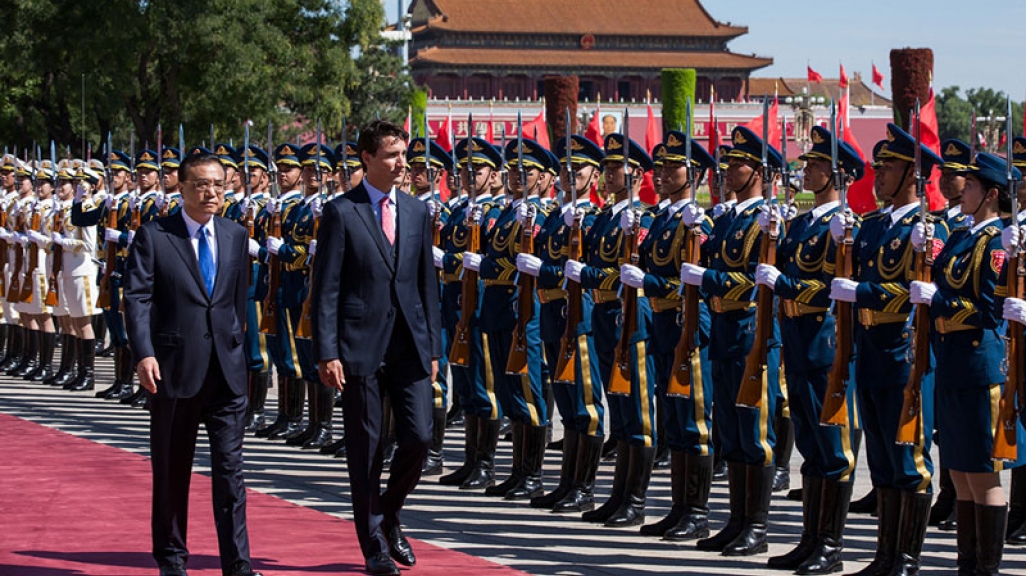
[804, 118]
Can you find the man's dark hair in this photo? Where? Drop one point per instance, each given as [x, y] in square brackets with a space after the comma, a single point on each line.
[185, 169]
[374, 133]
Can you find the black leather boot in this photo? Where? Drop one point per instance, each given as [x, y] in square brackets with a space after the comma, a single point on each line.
[632, 510]
[86, 355]
[259, 382]
[482, 475]
[965, 539]
[281, 419]
[566, 472]
[301, 434]
[609, 449]
[435, 462]
[12, 353]
[944, 514]
[66, 370]
[116, 389]
[826, 558]
[47, 345]
[1016, 531]
[295, 398]
[812, 492]
[738, 485]
[616, 493]
[752, 539]
[915, 513]
[888, 513]
[662, 457]
[530, 485]
[517, 471]
[127, 376]
[581, 497]
[28, 361]
[782, 453]
[455, 417]
[694, 523]
[991, 522]
[460, 475]
[324, 409]
[4, 342]
[678, 469]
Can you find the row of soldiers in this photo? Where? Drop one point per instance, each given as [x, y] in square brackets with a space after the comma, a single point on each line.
[556, 303]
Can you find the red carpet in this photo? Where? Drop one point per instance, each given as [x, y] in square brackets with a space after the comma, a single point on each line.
[69, 506]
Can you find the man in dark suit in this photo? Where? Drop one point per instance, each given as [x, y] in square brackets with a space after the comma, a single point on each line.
[377, 332]
[185, 311]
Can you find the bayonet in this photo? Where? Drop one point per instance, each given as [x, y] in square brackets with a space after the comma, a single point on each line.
[345, 155]
[160, 159]
[471, 184]
[627, 176]
[317, 172]
[687, 151]
[521, 175]
[245, 160]
[435, 195]
[213, 143]
[272, 167]
[570, 175]
[181, 142]
[972, 135]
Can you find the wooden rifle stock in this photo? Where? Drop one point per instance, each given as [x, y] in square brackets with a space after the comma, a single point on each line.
[14, 290]
[685, 355]
[623, 367]
[269, 322]
[30, 273]
[3, 253]
[305, 330]
[517, 362]
[910, 425]
[1005, 448]
[103, 300]
[753, 383]
[566, 365]
[835, 402]
[57, 258]
[459, 354]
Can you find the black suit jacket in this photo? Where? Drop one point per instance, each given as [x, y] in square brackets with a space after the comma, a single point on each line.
[168, 313]
[358, 285]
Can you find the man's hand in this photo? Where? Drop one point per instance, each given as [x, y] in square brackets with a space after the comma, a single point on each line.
[434, 370]
[149, 373]
[331, 373]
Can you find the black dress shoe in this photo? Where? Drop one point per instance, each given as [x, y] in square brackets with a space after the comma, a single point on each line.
[399, 547]
[173, 570]
[382, 565]
[242, 568]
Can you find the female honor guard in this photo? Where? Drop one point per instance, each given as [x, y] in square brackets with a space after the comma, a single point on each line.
[32, 306]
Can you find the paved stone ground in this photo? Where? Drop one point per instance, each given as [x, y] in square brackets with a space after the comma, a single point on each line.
[505, 532]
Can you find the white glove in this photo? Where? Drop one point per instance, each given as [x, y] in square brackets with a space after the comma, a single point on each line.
[253, 248]
[692, 274]
[921, 292]
[159, 200]
[438, 254]
[1014, 310]
[433, 207]
[472, 261]
[632, 276]
[766, 275]
[627, 219]
[272, 206]
[5, 235]
[843, 290]
[766, 218]
[838, 224]
[23, 240]
[317, 206]
[80, 193]
[572, 270]
[244, 205]
[109, 201]
[1010, 238]
[719, 209]
[311, 248]
[522, 211]
[133, 202]
[273, 244]
[692, 214]
[570, 215]
[529, 264]
[111, 234]
[57, 239]
[788, 211]
[131, 236]
[919, 234]
[37, 238]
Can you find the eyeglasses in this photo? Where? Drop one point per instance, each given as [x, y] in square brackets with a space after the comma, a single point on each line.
[204, 185]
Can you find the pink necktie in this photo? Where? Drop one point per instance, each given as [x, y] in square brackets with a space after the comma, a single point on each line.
[387, 220]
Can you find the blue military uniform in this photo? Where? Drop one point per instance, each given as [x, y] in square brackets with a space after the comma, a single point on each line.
[227, 155]
[171, 159]
[957, 156]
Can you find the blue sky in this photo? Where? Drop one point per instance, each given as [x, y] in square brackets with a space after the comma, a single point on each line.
[979, 43]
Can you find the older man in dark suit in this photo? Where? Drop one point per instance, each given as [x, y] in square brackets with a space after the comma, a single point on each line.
[377, 332]
[185, 311]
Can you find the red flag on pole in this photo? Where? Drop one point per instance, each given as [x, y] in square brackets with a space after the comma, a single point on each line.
[594, 130]
[861, 198]
[653, 136]
[878, 78]
[714, 138]
[931, 139]
[813, 75]
[774, 124]
[844, 78]
[445, 134]
[490, 135]
[537, 130]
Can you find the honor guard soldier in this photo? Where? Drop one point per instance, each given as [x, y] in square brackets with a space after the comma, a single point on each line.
[631, 405]
[65, 191]
[473, 382]
[727, 278]
[347, 165]
[171, 203]
[883, 266]
[427, 171]
[227, 155]
[577, 391]
[727, 197]
[279, 331]
[1017, 490]
[10, 331]
[806, 260]
[32, 309]
[685, 427]
[18, 211]
[520, 394]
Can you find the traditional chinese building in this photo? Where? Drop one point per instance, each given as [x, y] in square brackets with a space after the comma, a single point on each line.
[503, 49]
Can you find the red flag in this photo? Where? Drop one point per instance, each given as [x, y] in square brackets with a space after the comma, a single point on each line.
[931, 140]
[878, 78]
[409, 119]
[653, 136]
[861, 198]
[444, 137]
[774, 124]
[813, 75]
[844, 78]
[594, 130]
[537, 130]
[490, 134]
[714, 140]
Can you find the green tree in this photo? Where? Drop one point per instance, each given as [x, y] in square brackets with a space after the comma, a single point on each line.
[955, 114]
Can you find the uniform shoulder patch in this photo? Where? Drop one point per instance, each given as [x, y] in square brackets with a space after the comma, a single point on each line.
[997, 260]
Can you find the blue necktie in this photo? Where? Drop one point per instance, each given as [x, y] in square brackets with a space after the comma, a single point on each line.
[206, 262]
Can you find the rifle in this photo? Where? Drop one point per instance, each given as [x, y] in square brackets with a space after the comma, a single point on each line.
[910, 425]
[305, 330]
[436, 197]
[104, 298]
[753, 382]
[459, 354]
[160, 170]
[1005, 448]
[247, 218]
[835, 401]
[57, 252]
[345, 155]
[269, 321]
[516, 363]
[566, 365]
[686, 366]
[623, 366]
